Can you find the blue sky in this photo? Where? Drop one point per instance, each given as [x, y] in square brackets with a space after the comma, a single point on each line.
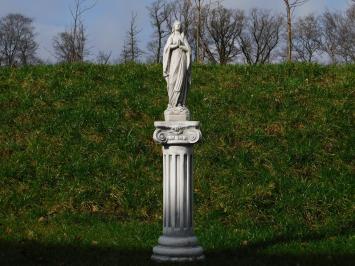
[108, 21]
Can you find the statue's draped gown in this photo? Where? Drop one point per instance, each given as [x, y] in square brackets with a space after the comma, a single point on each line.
[176, 65]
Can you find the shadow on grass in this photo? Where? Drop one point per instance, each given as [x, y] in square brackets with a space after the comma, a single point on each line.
[35, 253]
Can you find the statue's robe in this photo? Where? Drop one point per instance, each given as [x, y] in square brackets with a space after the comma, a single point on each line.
[177, 69]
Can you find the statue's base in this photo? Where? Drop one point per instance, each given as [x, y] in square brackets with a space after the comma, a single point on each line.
[177, 249]
[177, 114]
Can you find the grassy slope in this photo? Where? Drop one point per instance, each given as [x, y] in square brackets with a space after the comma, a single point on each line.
[80, 176]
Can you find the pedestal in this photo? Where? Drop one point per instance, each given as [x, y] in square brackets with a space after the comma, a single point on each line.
[178, 242]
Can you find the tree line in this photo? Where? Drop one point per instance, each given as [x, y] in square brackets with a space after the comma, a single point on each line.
[216, 34]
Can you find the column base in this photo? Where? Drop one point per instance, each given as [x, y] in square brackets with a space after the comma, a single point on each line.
[177, 249]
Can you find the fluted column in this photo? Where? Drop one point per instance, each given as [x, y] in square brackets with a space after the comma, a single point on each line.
[178, 242]
[177, 202]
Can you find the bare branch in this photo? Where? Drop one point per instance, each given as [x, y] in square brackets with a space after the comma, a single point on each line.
[17, 40]
[223, 27]
[159, 12]
[260, 36]
[290, 7]
[103, 58]
[307, 38]
[70, 46]
[131, 51]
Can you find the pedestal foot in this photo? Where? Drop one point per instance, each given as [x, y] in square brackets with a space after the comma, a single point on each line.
[177, 249]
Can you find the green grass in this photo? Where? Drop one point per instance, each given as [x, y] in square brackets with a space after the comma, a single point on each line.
[81, 178]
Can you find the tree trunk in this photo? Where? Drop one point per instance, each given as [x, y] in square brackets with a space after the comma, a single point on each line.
[289, 33]
[158, 50]
[198, 32]
[159, 44]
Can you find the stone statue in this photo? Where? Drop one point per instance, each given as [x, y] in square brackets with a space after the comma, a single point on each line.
[177, 134]
[177, 73]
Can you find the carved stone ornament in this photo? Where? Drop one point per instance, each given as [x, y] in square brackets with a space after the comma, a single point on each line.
[182, 132]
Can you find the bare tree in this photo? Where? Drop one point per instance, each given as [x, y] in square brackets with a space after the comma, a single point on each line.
[223, 26]
[62, 44]
[307, 37]
[290, 7]
[338, 34]
[182, 10]
[159, 12]
[330, 24]
[17, 40]
[131, 51]
[103, 57]
[347, 35]
[260, 36]
[124, 57]
[198, 4]
[28, 48]
[70, 46]
[191, 14]
[201, 12]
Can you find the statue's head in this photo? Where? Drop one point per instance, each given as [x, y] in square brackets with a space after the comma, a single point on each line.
[176, 26]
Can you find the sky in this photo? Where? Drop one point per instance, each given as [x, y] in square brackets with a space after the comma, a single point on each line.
[108, 21]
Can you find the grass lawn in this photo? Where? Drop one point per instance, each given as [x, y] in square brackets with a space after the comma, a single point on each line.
[81, 178]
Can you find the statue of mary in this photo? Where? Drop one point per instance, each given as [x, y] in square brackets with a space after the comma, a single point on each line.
[177, 73]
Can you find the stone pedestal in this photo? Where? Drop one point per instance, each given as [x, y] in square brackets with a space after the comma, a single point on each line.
[178, 242]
